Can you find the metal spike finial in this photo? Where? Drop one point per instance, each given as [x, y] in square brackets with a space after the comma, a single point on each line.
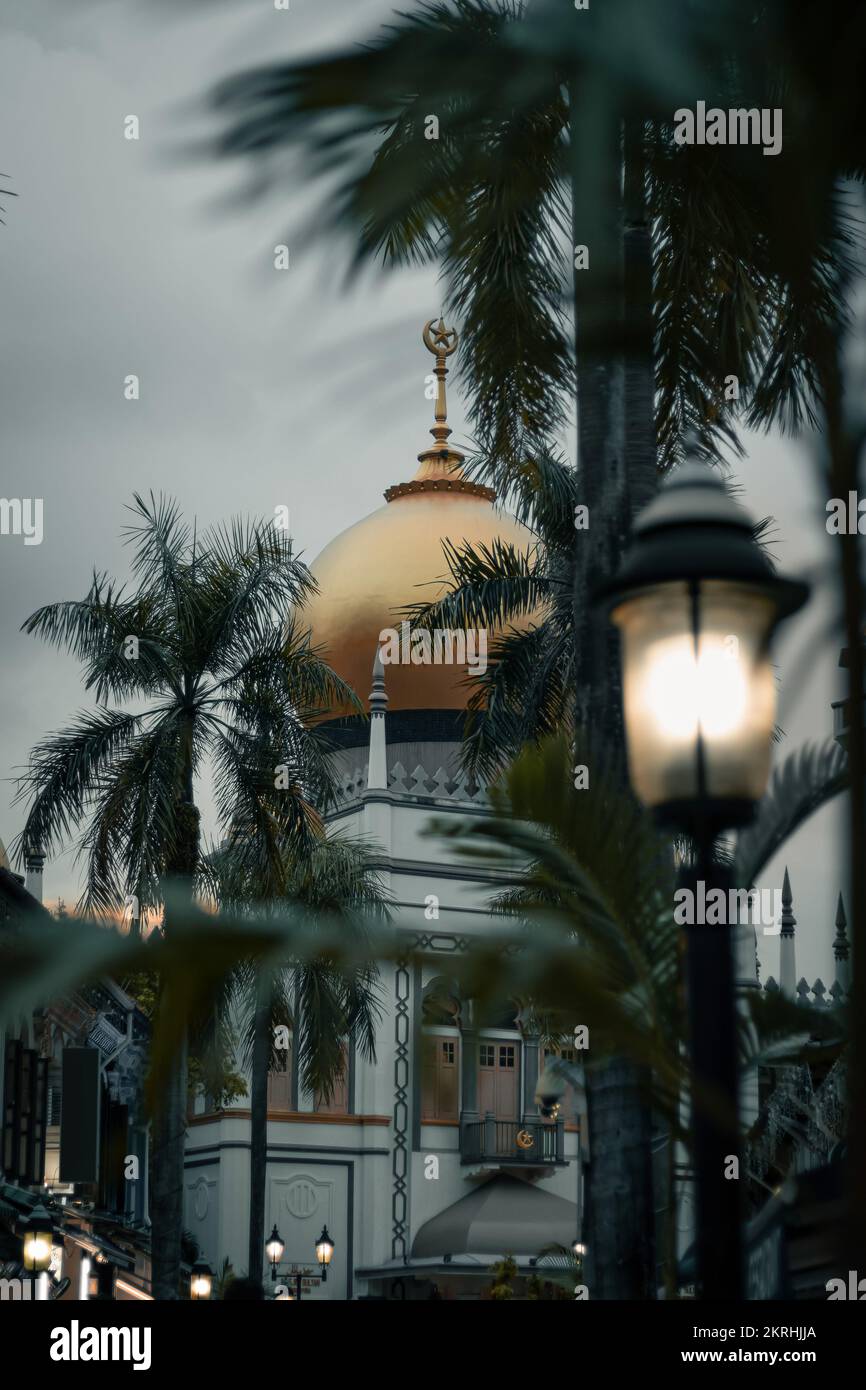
[788, 921]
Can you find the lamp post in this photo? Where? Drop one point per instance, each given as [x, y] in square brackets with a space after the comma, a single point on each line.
[275, 1249]
[697, 602]
[200, 1280]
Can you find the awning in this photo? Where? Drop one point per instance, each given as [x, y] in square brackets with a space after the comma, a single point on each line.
[479, 1266]
[504, 1216]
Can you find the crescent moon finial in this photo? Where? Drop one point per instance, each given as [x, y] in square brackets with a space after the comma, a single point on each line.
[438, 339]
[441, 341]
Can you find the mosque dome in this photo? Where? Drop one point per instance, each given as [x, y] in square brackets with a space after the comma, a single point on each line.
[392, 559]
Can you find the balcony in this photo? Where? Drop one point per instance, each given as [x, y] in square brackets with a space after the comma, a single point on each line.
[513, 1143]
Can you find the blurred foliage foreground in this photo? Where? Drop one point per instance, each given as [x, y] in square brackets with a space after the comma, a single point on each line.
[587, 937]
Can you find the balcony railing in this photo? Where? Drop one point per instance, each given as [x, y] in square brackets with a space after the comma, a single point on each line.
[513, 1143]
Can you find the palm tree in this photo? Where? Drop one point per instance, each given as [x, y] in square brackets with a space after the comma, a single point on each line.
[553, 131]
[321, 1004]
[206, 644]
[534, 108]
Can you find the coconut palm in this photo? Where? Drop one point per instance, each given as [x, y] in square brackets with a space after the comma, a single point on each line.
[206, 646]
[495, 137]
[530, 104]
[322, 1005]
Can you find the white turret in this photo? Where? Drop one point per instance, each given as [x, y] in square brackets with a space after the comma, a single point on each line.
[787, 955]
[377, 768]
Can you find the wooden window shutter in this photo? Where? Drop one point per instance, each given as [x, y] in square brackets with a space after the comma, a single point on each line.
[280, 1082]
[439, 1078]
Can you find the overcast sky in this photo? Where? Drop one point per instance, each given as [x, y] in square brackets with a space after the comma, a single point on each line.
[258, 388]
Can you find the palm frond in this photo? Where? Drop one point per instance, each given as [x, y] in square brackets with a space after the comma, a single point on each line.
[799, 787]
[63, 774]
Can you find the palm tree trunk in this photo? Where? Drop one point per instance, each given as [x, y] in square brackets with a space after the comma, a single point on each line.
[259, 1126]
[168, 1137]
[169, 1120]
[616, 468]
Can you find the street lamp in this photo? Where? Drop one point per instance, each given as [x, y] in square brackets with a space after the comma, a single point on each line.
[274, 1251]
[324, 1251]
[200, 1280]
[38, 1232]
[697, 602]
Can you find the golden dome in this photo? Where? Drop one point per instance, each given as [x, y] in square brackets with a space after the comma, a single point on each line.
[370, 574]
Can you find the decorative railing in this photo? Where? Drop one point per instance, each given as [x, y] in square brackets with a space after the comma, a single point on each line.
[431, 786]
[817, 994]
[513, 1143]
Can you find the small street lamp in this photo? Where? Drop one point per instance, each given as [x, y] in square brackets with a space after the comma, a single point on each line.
[38, 1232]
[697, 602]
[274, 1251]
[200, 1280]
[324, 1251]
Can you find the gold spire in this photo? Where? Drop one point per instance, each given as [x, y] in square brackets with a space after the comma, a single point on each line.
[441, 466]
[441, 341]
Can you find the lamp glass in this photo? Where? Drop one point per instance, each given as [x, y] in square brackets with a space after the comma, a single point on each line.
[274, 1247]
[723, 690]
[37, 1250]
[324, 1248]
[200, 1286]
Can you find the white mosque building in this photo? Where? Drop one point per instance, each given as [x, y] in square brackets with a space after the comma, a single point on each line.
[433, 1162]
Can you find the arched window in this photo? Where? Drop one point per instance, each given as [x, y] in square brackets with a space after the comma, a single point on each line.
[440, 1003]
